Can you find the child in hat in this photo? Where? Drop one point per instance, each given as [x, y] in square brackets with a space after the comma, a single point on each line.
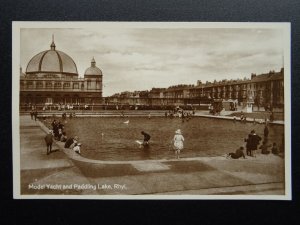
[178, 142]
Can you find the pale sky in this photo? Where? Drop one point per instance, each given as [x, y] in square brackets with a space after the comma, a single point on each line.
[143, 58]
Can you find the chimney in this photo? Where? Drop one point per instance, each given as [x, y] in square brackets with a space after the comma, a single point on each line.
[253, 75]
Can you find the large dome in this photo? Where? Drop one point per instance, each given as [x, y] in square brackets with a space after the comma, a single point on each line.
[52, 61]
[93, 70]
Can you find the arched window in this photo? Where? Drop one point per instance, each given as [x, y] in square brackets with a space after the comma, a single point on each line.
[98, 81]
[89, 84]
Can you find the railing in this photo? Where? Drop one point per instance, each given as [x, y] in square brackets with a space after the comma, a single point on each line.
[103, 107]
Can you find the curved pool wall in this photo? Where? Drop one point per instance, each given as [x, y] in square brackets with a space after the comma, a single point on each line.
[141, 154]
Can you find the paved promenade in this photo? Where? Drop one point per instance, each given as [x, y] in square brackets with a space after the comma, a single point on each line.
[66, 173]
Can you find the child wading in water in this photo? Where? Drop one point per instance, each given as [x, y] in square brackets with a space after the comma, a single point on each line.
[178, 142]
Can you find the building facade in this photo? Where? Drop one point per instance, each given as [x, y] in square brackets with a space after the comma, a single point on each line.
[264, 91]
[51, 79]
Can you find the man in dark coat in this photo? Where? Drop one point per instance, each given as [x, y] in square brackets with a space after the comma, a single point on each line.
[254, 140]
[49, 141]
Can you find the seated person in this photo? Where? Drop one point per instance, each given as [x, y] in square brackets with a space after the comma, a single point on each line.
[70, 142]
[238, 154]
[264, 148]
[76, 148]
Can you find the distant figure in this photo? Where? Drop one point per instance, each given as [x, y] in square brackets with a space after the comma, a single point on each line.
[238, 154]
[64, 115]
[146, 138]
[272, 117]
[275, 149]
[264, 148]
[31, 114]
[149, 116]
[234, 119]
[267, 121]
[35, 115]
[266, 131]
[242, 116]
[248, 150]
[178, 142]
[49, 141]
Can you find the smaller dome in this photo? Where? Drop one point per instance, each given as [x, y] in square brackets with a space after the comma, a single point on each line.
[93, 70]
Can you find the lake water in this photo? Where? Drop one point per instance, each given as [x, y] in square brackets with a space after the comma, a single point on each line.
[106, 138]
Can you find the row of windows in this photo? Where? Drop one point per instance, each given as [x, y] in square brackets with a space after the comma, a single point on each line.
[30, 84]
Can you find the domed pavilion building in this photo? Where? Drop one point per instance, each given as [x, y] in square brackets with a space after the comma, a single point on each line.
[51, 79]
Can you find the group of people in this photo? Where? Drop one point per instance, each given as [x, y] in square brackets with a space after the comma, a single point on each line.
[73, 143]
[252, 142]
[57, 133]
[177, 141]
[180, 113]
[71, 115]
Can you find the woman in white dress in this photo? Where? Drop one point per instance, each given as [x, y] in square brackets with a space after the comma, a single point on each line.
[178, 142]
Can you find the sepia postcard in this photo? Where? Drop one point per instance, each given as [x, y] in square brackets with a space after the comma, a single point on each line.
[151, 110]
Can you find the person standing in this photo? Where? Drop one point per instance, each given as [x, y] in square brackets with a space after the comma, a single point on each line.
[35, 115]
[31, 114]
[248, 149]
[49, 141]
[266, 132]
[272, 117]
[254, 140]
[178, 142]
